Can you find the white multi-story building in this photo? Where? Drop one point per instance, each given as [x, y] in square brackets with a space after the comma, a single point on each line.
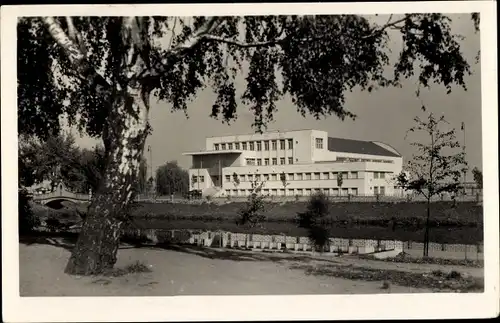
[300, 162]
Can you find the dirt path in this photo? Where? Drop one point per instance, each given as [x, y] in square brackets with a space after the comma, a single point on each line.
[183, 273]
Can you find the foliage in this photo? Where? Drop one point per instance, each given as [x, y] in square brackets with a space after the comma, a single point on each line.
[27, 220]
[236, 179]
[312, 219]
[52, 159]
[252, 212]
[436, 168]
[340, 180]
[283, 179]
[478, 177]
[171, 179]
[306, 50]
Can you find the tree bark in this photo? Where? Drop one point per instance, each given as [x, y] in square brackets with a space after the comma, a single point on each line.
[98, 242]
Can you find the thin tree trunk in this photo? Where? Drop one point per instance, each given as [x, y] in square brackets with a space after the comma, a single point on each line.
[98, 242]
[426, 236]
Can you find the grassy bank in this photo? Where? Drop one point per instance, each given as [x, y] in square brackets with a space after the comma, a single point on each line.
[444, 214]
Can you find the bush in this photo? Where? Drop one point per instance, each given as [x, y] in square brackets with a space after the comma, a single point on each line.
[313, 220]
[27, 219]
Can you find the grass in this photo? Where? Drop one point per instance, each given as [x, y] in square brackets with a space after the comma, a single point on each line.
[435, 280]
[134, 268]
[404, 258]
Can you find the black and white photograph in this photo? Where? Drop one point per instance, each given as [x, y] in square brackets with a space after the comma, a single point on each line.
[173, 155]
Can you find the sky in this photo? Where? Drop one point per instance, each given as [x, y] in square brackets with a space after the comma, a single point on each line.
[383, 115]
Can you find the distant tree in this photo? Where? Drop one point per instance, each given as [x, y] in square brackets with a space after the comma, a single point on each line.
[478, 177]
[313, 220]
[109, 67]
[171, 179]
[50, 160]
[252, 213]
[284, 182]
[436, 168]
[142, 177]
[236, 180]
[340, 181]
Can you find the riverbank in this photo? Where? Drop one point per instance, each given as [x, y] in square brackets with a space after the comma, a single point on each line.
[201, 271]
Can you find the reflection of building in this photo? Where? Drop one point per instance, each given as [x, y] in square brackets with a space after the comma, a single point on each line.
[307, 160]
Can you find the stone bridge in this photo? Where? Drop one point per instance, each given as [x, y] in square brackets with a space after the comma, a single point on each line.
[60, 194]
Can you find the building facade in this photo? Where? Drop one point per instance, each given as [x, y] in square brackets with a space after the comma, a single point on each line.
[291, 163]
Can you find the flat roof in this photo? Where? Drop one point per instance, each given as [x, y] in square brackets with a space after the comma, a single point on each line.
[213, 152]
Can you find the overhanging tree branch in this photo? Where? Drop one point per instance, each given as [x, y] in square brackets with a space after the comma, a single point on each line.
[74, 53]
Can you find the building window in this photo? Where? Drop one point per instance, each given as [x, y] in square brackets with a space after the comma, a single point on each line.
[235, 192]
[375, 190]
[282, 161]
[259, 162]
[290, 177]
[381, 175]
[335, 192]
[250, 177]
[228, 192]
[375, 174]
[229, 146]
[242, 192]
[290, 143]
[282, 145]
[308, 176]
[300, 191]
[257, 177]
[274, 145]
[345, 175]
[319, 143]
[290, 160]
[259, 146]
[316, 176]
[216, 146]
[334, 175]
[223, 146]
[266, 191]
[266, 161]
[266, 145]
[290, 192]
[242, 178]
[202, 179]
[308, 191]
[354, 191]
[282, 192]
[345, 191]
[228, 178]
[326, 191]
[252, 146]
[237, 145]
[195, 179]
[326, 175]
[266, 177]
[354, 175]
[299, 176]
[274, 192]
[244, 145]
[382, 190]
[275, 161]
[274, 177]
[250, 162]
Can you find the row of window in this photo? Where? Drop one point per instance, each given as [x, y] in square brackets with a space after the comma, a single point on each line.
[196, 179]
[304, 191]
[256, 145]
[351, 160]
[293, 176]
[265, 161]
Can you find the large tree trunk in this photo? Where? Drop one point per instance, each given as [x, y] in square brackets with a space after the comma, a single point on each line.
[98, 242]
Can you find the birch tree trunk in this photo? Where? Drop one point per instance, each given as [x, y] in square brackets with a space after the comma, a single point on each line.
[97, 245]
